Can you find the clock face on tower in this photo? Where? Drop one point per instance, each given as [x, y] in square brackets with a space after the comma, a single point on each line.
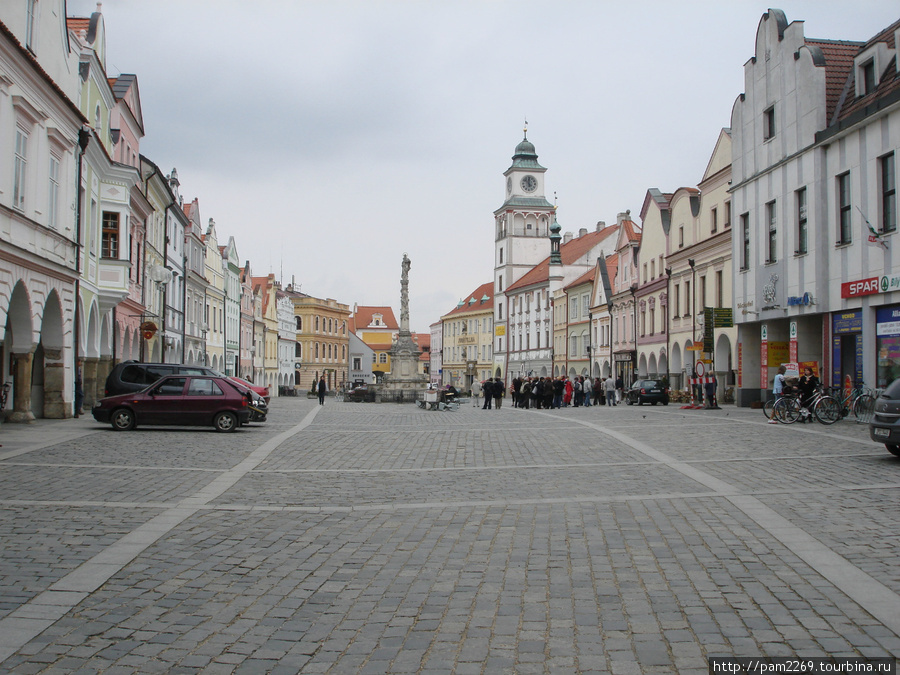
[529, 183]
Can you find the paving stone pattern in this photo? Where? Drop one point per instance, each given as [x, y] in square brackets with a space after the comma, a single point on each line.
[387, 539]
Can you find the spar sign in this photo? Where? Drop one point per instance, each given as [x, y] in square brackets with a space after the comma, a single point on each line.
[870, 286]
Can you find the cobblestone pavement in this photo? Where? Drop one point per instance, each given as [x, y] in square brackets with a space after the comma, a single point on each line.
[365, 538]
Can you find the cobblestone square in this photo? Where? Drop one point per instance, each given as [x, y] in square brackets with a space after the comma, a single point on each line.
[387, 539]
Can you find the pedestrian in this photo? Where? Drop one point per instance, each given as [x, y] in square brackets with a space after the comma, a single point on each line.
[808, 385]
[588, 391]
[525, 393]
[476, 392]
[599, 391]
[778, 388]
[620, 388]
[578, 392]
[610, 391]
[488, 391]
[537, 393]
[516, 388]
[499, 391]
[558, 390]
[569, 390]
[548, 393]
[321, 389]
[79, 388]
[710, 386]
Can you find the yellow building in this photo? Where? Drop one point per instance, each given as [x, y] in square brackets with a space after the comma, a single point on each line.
[468, 333]
[377, 327]
[322, 341]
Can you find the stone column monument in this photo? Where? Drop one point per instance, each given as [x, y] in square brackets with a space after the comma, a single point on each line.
[404, 381]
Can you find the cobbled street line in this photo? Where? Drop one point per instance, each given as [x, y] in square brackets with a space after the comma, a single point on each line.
[387, 539]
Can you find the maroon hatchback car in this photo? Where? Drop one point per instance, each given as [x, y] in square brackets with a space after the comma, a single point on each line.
[178, 400]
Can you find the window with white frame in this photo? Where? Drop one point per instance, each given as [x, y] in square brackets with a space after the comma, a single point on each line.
[802, 222]
[772, 240]
[53, 193]
[20, 169]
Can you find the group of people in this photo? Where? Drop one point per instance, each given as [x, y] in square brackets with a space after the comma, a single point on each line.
[550, 392]
[808, 386]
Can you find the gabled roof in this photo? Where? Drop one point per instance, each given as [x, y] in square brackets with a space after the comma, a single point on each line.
[888, 84]
[569, 252]
[482, 298]
[362, 317]
[583, 279]
[838, 61]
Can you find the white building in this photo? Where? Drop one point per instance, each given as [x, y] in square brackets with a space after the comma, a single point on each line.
[39, 262]
[815, 138]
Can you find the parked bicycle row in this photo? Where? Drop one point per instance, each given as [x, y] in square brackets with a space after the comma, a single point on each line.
[808, 401]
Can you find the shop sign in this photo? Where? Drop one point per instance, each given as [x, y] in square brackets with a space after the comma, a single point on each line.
[802, 300]
[467, 340]
[853, 289]
[890, 283]
[500, 329]
[887, 321]
[846, 322]
[623, 357]
[778, 353]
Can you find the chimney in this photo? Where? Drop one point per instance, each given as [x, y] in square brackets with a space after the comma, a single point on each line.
[582, 232]
[600, 225]
[567, 237]
[620, 218]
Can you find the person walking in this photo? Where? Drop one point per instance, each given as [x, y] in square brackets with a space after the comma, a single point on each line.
[558, 388]
[778, 388]
[588, 390]
[488, 391]
[476, 393]
[321, 389]
[499, 391]
[620, 388]
[610, 391]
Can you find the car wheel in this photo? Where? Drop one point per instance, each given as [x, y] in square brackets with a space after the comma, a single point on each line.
[225, 421]
[122, 419]
[893, 449]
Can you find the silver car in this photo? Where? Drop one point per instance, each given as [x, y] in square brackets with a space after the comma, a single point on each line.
[885, 425]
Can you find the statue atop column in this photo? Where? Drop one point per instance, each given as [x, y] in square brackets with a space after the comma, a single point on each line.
[404, 295]
[404, 380]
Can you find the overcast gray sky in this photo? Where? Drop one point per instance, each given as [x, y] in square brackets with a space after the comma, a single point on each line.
[330, 137]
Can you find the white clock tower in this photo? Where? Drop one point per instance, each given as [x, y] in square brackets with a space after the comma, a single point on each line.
[521, 230]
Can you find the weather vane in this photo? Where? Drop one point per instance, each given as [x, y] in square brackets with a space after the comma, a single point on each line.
[525, 129]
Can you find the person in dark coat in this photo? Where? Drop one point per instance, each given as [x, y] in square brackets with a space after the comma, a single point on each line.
[488, 390]
[321, 389]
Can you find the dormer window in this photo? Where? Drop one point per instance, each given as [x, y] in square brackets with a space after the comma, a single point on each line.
[867, 75]
[869, 65]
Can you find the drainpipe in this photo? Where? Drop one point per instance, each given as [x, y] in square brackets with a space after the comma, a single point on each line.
[84, 137]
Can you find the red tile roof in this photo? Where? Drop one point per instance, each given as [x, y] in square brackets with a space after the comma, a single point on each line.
[584, 278]
[363, 317]
[485, 290]
[888, 81]
[838, 64]
[77, 24]
[569, 252]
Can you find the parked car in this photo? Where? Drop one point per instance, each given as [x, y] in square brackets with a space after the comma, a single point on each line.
[179, 400]
[360, 394]
[647, 391]
[131, 376]
[262, 391]
[885, 424]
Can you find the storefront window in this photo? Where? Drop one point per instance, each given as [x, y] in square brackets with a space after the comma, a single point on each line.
[887, 344]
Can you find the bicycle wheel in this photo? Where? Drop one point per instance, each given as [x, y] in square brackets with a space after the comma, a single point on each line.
[828, 410]
[786, 410]
[767, 408]
[863, 407]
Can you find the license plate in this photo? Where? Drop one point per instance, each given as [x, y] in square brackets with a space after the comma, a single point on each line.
[881, 433]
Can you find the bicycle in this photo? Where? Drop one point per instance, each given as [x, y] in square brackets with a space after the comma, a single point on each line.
[858, 400]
